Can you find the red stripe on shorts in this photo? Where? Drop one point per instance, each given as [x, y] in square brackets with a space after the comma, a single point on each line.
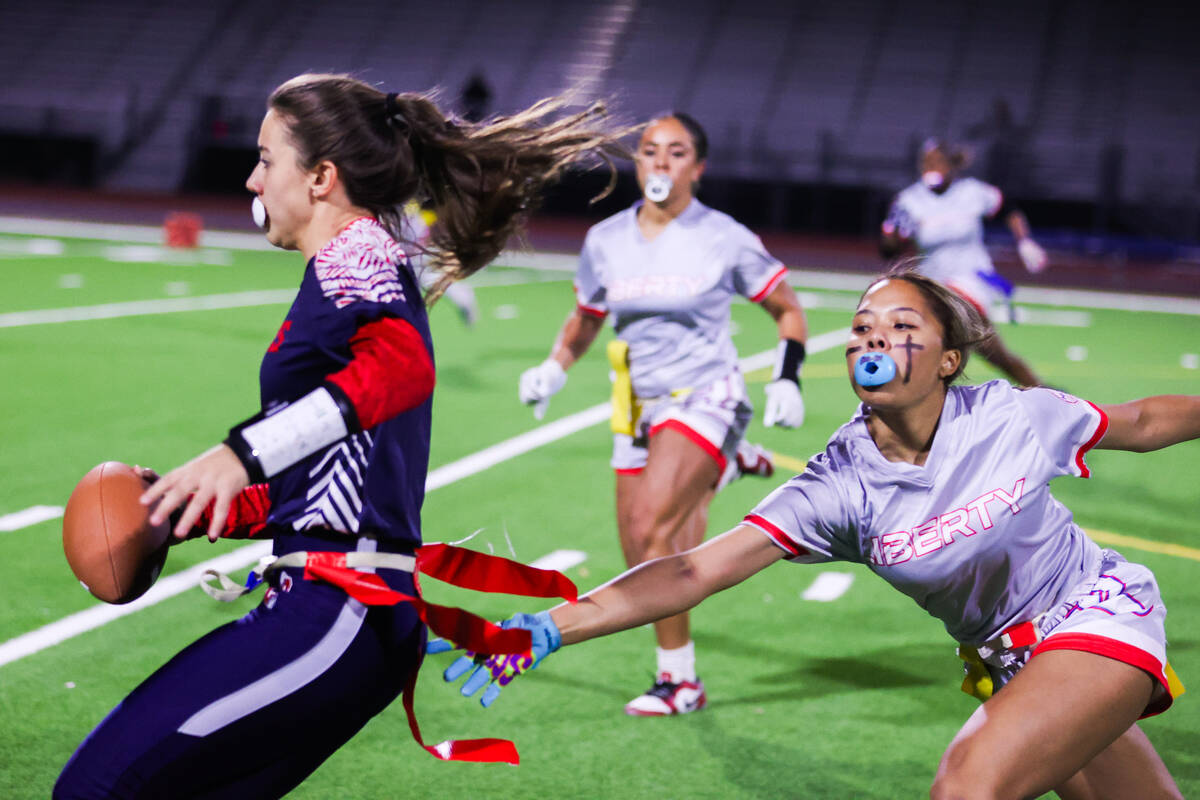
[1118, 651]
[713, 451]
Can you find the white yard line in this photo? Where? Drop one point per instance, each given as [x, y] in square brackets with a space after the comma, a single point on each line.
[92, 618]
[135, 308]
[565, 263]
[29, 516]
[560, 560]
[828, 586]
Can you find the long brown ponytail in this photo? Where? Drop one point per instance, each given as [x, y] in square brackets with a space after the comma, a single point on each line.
[481, 179]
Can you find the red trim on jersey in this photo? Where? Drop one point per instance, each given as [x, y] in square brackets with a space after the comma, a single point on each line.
[390, 372]
[1101, 429]
[247, 514]
[592, 312]
[1118, 651]
[713, 451]
[628, 470]
[770, 287]
[776, 533]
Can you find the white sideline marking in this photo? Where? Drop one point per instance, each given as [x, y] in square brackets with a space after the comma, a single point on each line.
[29, 516]
[560, 560]
[134, 308]
[91, 618]
[566, 263]
[828, 586]
[94, 617]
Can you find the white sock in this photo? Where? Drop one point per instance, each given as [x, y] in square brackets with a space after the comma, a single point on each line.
[679, 664]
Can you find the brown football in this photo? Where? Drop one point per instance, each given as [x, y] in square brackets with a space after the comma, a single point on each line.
[110, 544]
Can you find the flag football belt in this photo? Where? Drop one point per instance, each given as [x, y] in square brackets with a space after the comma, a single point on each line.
[626, 407]
[454, 565]
[978, 680]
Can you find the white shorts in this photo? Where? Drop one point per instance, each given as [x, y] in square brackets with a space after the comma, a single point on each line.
[715, 417]
[1118, 613]
[978, 292]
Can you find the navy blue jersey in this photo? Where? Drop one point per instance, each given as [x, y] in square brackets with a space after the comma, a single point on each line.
[372, 482]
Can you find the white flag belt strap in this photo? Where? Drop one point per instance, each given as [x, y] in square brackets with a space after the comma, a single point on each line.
[230, 590]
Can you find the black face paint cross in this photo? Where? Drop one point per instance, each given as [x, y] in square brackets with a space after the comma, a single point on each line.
[908, 348]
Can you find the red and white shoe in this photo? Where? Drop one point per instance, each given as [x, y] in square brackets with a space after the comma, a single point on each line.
[754, 459]
[667, 699]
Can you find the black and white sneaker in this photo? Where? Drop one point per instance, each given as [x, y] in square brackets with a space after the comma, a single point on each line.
[667, 699]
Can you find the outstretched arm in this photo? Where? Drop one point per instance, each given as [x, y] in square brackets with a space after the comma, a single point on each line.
[1030, 252]
[785, 406]
[784, 307]
[1152, 423]
[666, 586]
[539, 383]
[578, 332]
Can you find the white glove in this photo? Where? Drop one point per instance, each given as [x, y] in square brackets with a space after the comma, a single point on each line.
[1032, 255]
[539, 383]
[785, 406]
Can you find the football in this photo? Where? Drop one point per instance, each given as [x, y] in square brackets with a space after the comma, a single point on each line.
[110, 544]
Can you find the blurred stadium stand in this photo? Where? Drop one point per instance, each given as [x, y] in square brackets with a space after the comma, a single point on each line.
[1086, 112]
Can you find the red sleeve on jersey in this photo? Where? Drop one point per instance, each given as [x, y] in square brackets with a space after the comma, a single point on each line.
[391, 371]
[247, 514]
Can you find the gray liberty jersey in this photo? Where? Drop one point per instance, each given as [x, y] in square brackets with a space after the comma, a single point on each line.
[974, 536]
[947, 227]
[669, 298]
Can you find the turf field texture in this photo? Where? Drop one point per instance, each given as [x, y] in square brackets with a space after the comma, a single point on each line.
[853, 697]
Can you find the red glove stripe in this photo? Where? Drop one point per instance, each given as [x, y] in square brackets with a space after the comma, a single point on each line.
[391, 371]
[247, 514]
[486, 573]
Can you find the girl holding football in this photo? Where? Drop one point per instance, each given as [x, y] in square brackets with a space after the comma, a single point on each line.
[942, 490]
[334, 466]
[665, 271]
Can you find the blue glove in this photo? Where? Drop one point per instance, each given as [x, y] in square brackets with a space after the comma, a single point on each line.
[497, 671]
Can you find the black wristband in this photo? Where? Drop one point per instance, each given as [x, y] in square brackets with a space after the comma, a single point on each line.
[244, 452]
[788, 358]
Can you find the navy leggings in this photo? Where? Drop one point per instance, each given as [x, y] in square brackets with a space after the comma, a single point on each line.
[251, 709]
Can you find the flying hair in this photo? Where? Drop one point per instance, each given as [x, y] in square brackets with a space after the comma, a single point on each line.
[482, 180]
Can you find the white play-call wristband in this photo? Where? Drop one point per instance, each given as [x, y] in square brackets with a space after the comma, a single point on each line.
[285, 437]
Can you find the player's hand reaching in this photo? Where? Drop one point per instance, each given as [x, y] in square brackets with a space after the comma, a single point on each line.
[539, 383]
[1032, 255]
[498, 671]
[785, 406]
[215, 476]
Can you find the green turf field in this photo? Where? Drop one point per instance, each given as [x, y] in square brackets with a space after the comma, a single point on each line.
[853, 698]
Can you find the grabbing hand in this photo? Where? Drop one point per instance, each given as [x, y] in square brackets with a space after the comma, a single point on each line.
[1032, 255]
[215, 476]
[499, 670]
[539, 383]
[785, 406]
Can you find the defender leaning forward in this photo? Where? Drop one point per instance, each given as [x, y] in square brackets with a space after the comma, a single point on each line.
[943, 491]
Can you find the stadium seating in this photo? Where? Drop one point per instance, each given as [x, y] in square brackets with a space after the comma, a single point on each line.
[832, 93]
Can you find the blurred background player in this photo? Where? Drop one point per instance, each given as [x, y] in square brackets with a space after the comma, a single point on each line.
[942, 491]
[666, 270]
[339, 464]
[941, 216]
[417, 224]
